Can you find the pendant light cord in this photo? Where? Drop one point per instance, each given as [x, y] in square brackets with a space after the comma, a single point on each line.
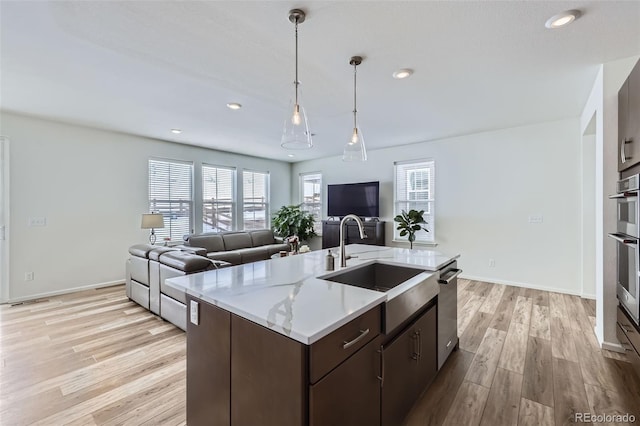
[296, 82]
[355, 109]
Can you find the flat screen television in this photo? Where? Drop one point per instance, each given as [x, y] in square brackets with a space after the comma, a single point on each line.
[361, 199]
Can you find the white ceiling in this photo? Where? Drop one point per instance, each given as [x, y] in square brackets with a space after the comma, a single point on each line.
[144, 67]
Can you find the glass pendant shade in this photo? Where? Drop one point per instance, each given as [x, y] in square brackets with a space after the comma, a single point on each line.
[296, 134]
[355, 150]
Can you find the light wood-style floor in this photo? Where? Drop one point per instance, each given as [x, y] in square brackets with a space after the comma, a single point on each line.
[92, 357]
[526, 357]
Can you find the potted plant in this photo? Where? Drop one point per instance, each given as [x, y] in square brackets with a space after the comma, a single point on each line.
[291, 220]
[410, 223]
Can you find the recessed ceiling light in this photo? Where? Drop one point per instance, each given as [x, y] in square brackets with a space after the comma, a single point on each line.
[234, 105]
[176, 131]
[562, 19]
[290, 155]
[403, 73]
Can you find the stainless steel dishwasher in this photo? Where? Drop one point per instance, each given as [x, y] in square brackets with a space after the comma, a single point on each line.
[447, 311]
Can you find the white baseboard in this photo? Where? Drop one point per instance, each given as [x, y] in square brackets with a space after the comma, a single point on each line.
[65, 291]
[615, 347]
[527, 285]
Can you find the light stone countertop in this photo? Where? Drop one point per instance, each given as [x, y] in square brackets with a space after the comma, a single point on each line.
[286, 295]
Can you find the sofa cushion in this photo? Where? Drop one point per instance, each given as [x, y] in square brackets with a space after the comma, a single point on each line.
[186, 262]
[236, 240]
[262, 237]
[232, 257]
[166, 289]
[253, 254]
[141, 250]
[209, 242]
[158, 251]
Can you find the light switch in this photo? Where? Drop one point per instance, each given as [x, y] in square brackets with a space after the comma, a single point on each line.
[194, 312]
[38, 221]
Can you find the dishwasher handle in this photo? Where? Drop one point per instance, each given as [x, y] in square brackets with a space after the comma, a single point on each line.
[451, 275]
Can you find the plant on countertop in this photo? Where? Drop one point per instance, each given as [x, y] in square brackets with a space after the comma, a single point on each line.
[410, 223]
[291, 220]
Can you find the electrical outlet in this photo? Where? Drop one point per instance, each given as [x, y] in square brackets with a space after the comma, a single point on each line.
[28, 276]
[536, 218]
[194, 311]
[38, 221]
[492, 263]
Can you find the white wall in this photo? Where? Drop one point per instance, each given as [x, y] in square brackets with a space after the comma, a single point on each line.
[588, 244]
[92, 187]
[487, 185]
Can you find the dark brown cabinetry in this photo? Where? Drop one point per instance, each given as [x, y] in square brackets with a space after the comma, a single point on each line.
[240, 373]
[409, 365]
[209, 389]
[629, 121]
[331, 233]
[629, 336]
[350, 394]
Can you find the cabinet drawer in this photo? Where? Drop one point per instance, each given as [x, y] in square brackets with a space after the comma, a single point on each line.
[631, 354]
[629, 330]
[331, 350]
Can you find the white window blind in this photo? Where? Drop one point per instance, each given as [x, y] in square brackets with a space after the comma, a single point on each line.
[218, 198]
[171, 193]
[414, 188]
[311, 196]
[255, 200]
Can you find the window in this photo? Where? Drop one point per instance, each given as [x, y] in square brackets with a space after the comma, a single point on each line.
[171, 193]
[218, 198]
[255, 200]
[311, 197]
[414, 189]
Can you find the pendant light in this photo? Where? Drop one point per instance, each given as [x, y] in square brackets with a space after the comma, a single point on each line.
[355, 150]
[296, 134]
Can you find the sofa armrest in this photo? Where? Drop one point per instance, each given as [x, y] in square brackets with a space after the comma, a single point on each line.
[194, 250]
[278, 240]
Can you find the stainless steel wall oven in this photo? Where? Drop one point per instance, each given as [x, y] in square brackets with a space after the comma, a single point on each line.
[627, 254]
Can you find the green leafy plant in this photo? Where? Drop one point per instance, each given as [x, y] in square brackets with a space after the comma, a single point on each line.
[291, 220]
[410, 223]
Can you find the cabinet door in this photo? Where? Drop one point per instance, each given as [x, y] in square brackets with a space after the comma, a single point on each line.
[409, 365]
[268, 377]
[350, 394]
[633, 113]
[625, 156]
[208, 360]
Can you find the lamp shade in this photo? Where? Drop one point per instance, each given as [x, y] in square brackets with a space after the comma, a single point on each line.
[152, 220]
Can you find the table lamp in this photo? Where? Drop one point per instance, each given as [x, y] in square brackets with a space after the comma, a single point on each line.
[152, 221]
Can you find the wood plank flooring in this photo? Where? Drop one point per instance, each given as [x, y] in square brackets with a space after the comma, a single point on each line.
[90, 358]
[526, 357]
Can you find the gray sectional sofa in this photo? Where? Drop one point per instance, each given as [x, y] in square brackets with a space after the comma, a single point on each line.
[237, 247]
[149, 266]
[146, 271]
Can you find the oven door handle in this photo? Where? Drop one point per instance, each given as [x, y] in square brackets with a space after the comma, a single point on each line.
[628, 194]
[624, 239]
[450, 277]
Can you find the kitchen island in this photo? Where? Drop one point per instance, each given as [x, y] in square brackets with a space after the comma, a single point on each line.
[274, 342]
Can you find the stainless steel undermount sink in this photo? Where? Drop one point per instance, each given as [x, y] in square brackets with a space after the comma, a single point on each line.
[374, 276]
[408, 288]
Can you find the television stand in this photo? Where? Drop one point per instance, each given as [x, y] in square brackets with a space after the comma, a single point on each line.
[331, 233]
